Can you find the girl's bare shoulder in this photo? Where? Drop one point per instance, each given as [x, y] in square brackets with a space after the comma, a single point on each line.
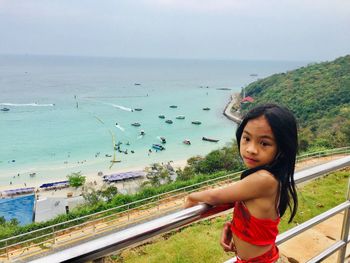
[264, 178]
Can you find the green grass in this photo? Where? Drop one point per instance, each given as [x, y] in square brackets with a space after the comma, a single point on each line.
[200, 241]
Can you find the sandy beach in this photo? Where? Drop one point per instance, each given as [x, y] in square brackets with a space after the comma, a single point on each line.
[92, 179]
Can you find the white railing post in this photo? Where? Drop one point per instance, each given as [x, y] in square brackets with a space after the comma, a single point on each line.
[345, 229]
[7, 251]
[53, 235]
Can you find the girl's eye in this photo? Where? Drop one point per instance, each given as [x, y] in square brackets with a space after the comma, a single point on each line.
[265, 144]
[245, 138]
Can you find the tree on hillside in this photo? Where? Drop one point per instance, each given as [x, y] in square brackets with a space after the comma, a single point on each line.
[76, 179]
[157, 174]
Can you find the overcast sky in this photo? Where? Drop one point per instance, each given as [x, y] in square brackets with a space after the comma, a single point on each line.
[315, 30]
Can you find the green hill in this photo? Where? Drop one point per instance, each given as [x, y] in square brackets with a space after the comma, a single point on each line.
[318, 95]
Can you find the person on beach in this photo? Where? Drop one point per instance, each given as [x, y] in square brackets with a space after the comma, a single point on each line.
[267, 141]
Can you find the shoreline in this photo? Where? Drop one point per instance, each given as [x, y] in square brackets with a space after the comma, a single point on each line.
[233, 116]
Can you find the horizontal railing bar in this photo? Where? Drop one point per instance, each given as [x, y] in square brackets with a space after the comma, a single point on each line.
[102, 246]
[281, 238]
[313, 172]
[327, 252]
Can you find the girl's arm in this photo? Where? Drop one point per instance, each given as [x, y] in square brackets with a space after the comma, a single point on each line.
[256, 185]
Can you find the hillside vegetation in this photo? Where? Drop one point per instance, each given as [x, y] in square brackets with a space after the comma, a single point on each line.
[318, 95]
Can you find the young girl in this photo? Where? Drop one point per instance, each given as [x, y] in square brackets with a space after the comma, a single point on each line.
[267, 141]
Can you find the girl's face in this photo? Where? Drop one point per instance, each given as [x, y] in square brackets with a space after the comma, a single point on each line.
[258, 146]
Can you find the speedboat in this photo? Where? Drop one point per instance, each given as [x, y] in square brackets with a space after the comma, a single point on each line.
[142, 132]
[158, 147]
[196, 122]
[136, 124]
[209, 139]
[138, 109]
[169, 121]
[173, 106]
[162, 139]
[186, 141]
[161, 117]
[5, 109]
[206, 108]
[180, 117]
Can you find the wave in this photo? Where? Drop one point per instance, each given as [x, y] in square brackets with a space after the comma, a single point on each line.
[34, 104]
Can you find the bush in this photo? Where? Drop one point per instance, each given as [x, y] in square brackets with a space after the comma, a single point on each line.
[76, 179]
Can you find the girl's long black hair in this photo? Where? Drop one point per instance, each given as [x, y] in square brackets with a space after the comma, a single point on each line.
[284, 128]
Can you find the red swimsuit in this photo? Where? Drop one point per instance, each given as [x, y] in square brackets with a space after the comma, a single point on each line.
[260, 232]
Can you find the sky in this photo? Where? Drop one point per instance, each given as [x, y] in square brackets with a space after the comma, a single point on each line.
[310, 30]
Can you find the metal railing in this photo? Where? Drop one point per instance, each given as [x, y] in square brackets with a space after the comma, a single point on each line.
[105, 245]
[60, 234]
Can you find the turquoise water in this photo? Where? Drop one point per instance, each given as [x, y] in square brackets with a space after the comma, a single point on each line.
[44, 131]
[18, 207]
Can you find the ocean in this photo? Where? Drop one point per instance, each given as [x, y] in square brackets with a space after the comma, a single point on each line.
[67, 113]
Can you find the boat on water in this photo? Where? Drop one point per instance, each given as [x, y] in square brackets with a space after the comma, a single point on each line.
[173, 106]
[5, 109]
[209, 139]
[169, 121]
[142, 132]
[206, 108]
[162, 139]
[180, 117]
[196, 122]
[161, 116]
[186, 141]
[137, 84]
[158, 147]
[137, 109]
[136, 124]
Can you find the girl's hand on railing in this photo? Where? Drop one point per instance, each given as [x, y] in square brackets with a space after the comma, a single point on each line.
[226, 239]
[190, 202]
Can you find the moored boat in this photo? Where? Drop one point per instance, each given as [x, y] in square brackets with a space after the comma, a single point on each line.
[209, 139]
[142, 132]
[5, 109]
[138, 109]
[206, 108]
[162, 139]
[161, 116]
[173, 106]
[169, 121]
[136, 124]
[158, 147]
[196, 122]
[180, 117]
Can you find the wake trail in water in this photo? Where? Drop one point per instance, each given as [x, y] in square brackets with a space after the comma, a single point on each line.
[120, 128]
[34, 104]
[119, 107]
[113, 105]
